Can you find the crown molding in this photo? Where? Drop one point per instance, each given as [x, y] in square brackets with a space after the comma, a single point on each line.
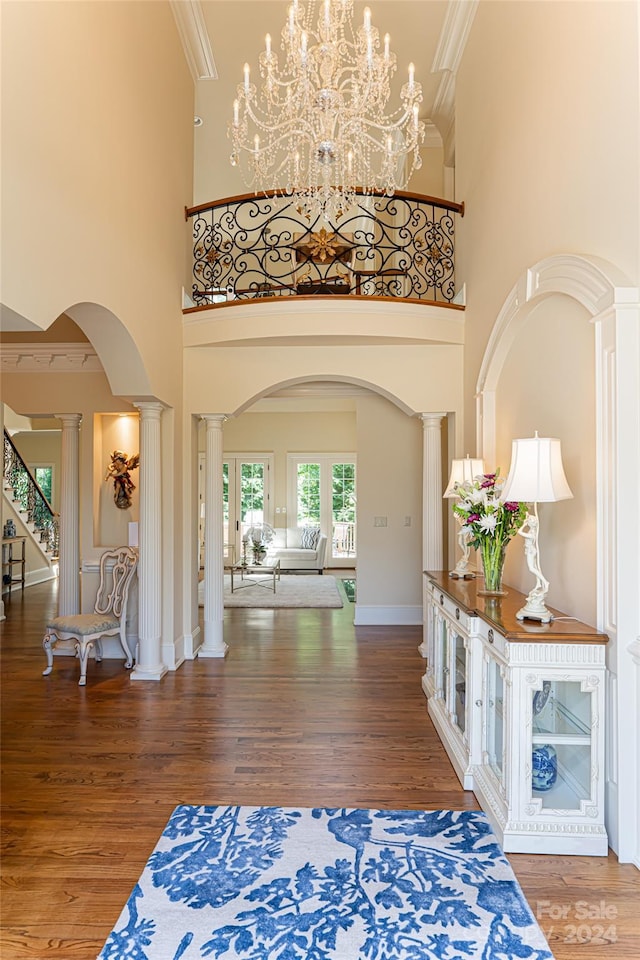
[195, 38]
[453, 40]
[454, 35]
[49, 358]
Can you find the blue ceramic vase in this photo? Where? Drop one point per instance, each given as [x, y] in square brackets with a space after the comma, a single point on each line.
[545, 767]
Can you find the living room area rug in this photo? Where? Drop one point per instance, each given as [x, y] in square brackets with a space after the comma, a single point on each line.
[291, 591]
[275, 883]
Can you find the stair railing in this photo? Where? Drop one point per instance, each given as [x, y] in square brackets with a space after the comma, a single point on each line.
[30, 498]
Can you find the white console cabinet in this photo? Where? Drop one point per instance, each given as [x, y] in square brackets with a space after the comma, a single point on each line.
[519, 707]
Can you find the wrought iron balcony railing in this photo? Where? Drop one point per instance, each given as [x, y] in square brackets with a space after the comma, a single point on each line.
[30, 498]
[252, 247]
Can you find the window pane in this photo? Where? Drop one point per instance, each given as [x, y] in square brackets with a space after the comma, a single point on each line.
[43, 477]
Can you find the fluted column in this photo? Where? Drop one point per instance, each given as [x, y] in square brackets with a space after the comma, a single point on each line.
[69, 576]
[149, 665]
[214, 645]
[432, 491]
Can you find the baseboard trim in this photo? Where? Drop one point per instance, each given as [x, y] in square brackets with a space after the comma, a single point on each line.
[392, 616]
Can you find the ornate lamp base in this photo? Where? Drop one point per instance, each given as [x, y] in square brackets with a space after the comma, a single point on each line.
[534, 609]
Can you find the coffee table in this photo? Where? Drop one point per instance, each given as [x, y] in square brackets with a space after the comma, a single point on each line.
[264, 575]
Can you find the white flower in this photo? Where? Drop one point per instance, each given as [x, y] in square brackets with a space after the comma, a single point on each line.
[488, 523]
[477, 496]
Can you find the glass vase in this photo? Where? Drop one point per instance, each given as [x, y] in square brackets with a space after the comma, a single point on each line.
[492, 554]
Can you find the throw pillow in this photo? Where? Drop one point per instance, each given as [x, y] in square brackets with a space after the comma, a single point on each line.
[309, 538]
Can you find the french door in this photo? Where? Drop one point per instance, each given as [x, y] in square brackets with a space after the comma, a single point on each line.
[246, 497]
[322, 492]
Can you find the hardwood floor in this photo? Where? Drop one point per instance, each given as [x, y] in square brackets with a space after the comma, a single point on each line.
[304, 711]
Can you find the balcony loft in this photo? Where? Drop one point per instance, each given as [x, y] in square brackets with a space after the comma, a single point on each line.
[384, 272]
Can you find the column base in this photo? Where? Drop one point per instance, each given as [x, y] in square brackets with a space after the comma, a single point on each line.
[148, 673]
[214, 645]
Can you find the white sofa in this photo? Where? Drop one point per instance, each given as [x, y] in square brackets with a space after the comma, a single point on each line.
[287, 548]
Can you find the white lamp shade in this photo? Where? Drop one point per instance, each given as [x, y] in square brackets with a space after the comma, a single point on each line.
[461, 472]
[536, 474]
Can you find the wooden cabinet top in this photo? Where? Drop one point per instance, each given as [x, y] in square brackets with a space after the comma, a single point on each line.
[500, 613]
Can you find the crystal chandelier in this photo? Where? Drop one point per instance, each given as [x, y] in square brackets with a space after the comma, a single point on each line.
[318, 126]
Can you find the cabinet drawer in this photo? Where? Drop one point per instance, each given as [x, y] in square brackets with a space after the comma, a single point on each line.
[457, 614]
[489, 635]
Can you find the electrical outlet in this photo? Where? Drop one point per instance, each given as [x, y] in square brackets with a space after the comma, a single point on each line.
[379, 521]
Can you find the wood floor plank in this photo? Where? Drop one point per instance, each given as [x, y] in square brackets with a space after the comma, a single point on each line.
[306, 710]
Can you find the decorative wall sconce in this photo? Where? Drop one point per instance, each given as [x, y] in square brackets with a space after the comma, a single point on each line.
[118, 471]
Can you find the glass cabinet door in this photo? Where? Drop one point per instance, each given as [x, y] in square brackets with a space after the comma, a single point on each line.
[441, 669]
[493, 747]
[562, 749]
[459, 689]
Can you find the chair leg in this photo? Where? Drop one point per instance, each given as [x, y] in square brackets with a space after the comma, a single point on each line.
[83, 648]
[127, 652]
[47, 643]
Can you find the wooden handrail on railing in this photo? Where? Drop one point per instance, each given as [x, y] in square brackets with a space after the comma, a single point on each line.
[251, 247]
[30, 498]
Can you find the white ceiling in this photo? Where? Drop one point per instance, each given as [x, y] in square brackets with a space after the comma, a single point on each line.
[236, 30]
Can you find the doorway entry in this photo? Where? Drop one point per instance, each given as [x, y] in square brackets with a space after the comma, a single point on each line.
[322, 492]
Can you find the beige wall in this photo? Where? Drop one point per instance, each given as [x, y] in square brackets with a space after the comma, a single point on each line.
[422, 378]
[429, 179]
[97, 139]
[563, 406]
[390, 485]
[547, 162]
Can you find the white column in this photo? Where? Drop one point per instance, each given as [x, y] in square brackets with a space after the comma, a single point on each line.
[432, 491]
[214, 645]
[149, 665]
[69, 577]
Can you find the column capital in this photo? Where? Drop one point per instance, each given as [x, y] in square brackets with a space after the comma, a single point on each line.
[431, 419]
[69, 419]
[150, 409]
[213, 419]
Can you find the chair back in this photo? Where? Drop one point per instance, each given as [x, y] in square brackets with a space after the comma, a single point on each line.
[117, 567]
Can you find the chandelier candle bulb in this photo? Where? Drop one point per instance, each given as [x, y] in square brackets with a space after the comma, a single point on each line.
[412, 71]
[267, 43]
[367, 20]
[387, 44]
[247, 71]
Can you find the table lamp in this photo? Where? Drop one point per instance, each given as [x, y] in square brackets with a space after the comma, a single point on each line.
[462, 471]
[536, 475]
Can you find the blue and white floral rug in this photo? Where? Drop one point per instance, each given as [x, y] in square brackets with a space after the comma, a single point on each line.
[273, 883]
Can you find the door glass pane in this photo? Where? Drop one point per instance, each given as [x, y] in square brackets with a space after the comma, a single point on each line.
[308, 494]
[495, 719]
[561, 762]
[251, 495]
[343, 507]
[461, 683]
[225, 501]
